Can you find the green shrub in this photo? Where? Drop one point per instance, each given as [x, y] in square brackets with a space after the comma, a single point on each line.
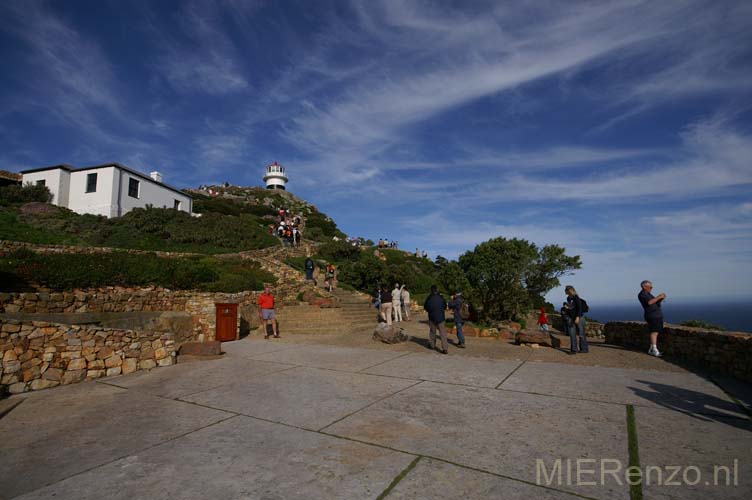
[697, 323]
[69, 271]
[16, 193]
[319, 227]
[339, 251]
[156, 229]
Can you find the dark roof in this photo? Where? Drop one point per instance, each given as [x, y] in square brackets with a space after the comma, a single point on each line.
[11, 176]
[71, 168]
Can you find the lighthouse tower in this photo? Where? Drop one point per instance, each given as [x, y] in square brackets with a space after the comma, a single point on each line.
[275, 177]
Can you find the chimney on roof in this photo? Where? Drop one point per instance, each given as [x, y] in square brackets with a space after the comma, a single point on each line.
[156, 176]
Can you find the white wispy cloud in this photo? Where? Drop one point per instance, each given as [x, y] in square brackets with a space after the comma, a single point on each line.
[204, 59]
[433, 59]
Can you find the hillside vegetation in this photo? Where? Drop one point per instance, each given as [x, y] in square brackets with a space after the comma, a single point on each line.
[24, 270]
[236, 220]
[502, 278]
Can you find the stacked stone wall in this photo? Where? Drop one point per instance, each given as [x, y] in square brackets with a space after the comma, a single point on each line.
[200, 305]
[723, 352]
[592, 328]
[7, 246]
[37, 355]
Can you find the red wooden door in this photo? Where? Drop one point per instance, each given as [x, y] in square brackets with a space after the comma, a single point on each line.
[227, 322]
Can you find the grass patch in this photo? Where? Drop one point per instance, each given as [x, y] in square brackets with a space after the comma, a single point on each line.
[635, 490]
[399, 478]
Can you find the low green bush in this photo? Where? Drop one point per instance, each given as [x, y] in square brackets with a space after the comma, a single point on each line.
[69, 271]
[155, 229]
[697, 323]
[17, 193]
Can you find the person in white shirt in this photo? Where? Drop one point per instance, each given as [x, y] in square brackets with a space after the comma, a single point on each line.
[405, 296]
[396, 302]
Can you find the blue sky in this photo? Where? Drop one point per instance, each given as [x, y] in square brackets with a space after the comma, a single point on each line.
[621, 130]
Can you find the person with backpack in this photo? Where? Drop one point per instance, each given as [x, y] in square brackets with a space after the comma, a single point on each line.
[577, 308]
[456, 306]
[309, 267]
[435, 305]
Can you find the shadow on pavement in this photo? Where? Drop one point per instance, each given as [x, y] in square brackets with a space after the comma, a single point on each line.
[699, 405]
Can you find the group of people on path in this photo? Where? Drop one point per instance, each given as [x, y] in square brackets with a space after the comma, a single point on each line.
[289, 229]
[574, 309]
[436, 307]
[385, 243]
[392, 303]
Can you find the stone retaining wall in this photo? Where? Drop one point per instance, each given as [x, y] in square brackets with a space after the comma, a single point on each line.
[724, 352]
[119, 299]
[37, 355]
[7, 246]
[592, 328]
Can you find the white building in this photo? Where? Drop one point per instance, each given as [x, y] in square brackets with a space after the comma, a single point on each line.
[111, 189]
[275, 177]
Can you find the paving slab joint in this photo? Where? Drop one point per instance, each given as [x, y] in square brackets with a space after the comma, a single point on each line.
[371, 404]
[511, 373]
[399, 478]
[382, 362]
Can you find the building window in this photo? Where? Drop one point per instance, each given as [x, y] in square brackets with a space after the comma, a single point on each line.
[42, 183]
[177, 205]
[91, 183]
[133, 185]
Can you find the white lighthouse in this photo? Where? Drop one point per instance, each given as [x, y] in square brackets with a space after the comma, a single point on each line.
[275, 177]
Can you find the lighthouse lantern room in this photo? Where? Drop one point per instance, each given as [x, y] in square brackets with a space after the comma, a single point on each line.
[275, 177]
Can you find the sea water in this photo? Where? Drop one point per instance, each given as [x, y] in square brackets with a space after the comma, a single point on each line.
[733, 316]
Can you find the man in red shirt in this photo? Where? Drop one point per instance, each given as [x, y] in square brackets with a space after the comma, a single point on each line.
[266, 311]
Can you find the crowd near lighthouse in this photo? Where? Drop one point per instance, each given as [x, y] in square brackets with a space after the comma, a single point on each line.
[275, 177]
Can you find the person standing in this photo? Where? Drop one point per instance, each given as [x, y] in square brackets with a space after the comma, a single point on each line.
[405, 297]
[578, 321]
[386, 305]
[435, 305]
[397, 303]
[456, 306]
[309, 267]
[653, 314]
[329, 277]
[543, 320]
[266, 311]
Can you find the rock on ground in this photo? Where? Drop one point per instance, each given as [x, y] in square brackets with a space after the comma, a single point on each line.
[389, 334]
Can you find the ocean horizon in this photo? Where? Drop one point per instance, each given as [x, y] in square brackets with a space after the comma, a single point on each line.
[731, 315]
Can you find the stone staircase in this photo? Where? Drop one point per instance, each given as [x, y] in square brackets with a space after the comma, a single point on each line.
[352, 313]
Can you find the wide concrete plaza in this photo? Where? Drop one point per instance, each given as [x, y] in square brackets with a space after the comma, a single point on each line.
[279, 419]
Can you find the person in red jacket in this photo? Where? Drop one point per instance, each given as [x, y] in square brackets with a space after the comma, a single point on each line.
[266, 311]
[543, 320]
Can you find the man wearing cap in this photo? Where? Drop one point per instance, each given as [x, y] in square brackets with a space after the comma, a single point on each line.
[266, 311]
[456, 306]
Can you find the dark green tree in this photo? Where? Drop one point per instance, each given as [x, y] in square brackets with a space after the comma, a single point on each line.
[507, 276]
[452, 278]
